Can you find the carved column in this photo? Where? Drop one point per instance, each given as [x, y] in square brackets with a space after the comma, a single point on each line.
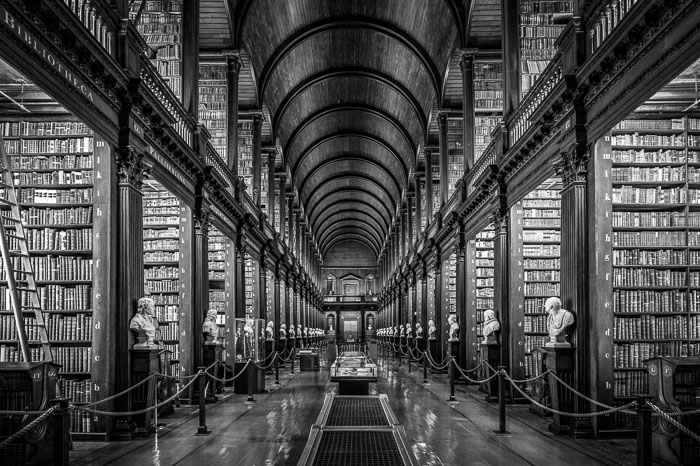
[409, 220]
[466, 64]
[257, 158]
[424, 303]
[131, 170]
[574, 265]
[271, 156]
[233, 68]
[461, 301]
[283, 206]
[501, 281]
[439, 311]
[240, 276]
[287, 304]
[444, 161]
[200, 257]
[428, 186]
[419, 212]
[290, 220]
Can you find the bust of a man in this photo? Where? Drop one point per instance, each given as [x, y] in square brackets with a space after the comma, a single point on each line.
[431, 330]
[300, 331]
[453, 331]
[409, 331]
[402, 331]
[419, 330]
[270, 331]
[557, 322]
[291, 334]
[396, 331]
[283, 332]
[306, 332]
[144, 324]
[210, 330]
[491, 326]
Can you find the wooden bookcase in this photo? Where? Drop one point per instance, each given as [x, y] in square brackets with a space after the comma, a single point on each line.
[455, 152]
[221, 262]
[213, 95]
[245, 154]
[162, 257]
[160, 24]
[483, 280]
[652, 161]
[251, 287]
[488, 102]
[53, 166]
[541, 23]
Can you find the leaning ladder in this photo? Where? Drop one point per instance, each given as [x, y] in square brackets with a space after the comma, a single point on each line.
[17, 265]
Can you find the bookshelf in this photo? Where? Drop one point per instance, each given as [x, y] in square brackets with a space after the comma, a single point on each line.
[251, 279]
[162, 255]
[488, 102]
[52, 163]
[436, 182]
[541, 23]
[245, 154]
[655, 248]
[541, 233]
[483, 262]
[213, 95]
[220, 264]
[450, 285]
[423, 203]
[264, 169]
[455, 152]
[160, 25]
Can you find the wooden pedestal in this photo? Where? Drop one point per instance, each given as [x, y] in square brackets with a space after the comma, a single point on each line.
[241, 384]
[561, 362]
[144, 362]
[490, 353]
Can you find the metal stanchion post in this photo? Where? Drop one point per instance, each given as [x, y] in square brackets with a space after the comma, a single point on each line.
[277, 369]
[59, 422]
[425, 367]
[250, 380]
[452, 378]
[202, 430]
[643, 432]
[501, 401]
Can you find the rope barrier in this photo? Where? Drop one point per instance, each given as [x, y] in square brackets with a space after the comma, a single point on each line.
[540, 376]
[562, 413]
[264, 368]
[475, 381]
[673, 422]
[213, 377]
[577, 393]
[20, 433]
[140, 411]
[110, 398]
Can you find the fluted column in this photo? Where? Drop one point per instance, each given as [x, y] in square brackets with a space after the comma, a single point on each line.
[428, 186]
[283, 206]
[271, 156]
[409, 220]
[257, 158]
[466, 65]
[419, 212]
[444, 161]
[233, 68]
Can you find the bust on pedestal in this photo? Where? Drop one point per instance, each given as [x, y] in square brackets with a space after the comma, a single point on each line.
[211, 348]
[490, 352]
[560, 360]
[432, 339]
[453, 337]
[419, 337]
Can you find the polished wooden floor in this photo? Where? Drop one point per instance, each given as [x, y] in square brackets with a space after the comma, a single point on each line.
[273, 429]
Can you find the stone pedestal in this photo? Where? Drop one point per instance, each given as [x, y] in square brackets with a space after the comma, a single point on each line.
[433, 349]
[269, 348]
[491, 353]
[211, 352]
[560, 360]
[282, 345]
[143, 363]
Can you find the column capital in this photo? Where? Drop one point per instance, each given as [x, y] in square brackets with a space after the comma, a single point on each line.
[466, 58]
[233, 60]
[572, 164]
[442, 118]
[282, 176]
[132, 166]
[271, 153]
[257, 119]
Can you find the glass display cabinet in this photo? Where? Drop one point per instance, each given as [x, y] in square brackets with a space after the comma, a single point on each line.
[353, 371]
[249, 339]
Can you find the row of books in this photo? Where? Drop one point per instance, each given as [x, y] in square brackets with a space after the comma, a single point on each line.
[628, 384]
[542, 213]
[647, 156]
[161, 244]
[162, 216]
[534, 305]
[656, 174]
[160, 286]
[651, 219]
[649, 238]
[536, 264]
[537, 289]
[648, 277]
[11, 353]
[44, 128]
[650, 301]
[658, 195]
[535, 324]
[165, 233]
[79, 391]
[54, 178]
[642, 257]
[542, 235]
[52, 239]
[532, 342]
[50, 162]
[62, 268]
[170, 331]
[59, 327]
[158, 202]
[544, 250]
[161, 256]
[167, 312]
[654, 140]
[542, 275]
[631, 355]
[49, 146]
[56, 196]
[541, 203]
[65, 298]
[81, 421]
[162, 272]
[78, 359]
[651, 327]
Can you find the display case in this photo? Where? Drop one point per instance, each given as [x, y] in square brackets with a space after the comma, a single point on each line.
[354, 371]
[249, 339]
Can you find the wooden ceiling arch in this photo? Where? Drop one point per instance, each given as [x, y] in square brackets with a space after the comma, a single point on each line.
[356, 71]
[359, 194]
[352, 206]
[345, 226]
[358, 177]
[370, 111]
[346, 237]
[356, 215]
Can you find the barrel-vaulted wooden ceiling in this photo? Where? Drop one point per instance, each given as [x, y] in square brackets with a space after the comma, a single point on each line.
[350, 87]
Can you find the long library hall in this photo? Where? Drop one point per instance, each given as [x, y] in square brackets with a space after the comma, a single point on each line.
[314, 232]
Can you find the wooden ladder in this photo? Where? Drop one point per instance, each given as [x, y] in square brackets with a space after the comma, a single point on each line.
[17, 265]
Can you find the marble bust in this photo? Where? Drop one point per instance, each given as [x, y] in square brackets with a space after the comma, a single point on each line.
[144, 324]
[396, 331]
[431, 330]
[291, 334]
[419, 330]
[557, 322]
[409, 331]
[453, 331]
[283, 332]
[402, 331]
[491, 326]
[210, 330]
[270, 331]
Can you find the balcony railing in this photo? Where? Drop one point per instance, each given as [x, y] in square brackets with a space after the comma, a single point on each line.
[350, 299]
[608, 16]
[95, 16]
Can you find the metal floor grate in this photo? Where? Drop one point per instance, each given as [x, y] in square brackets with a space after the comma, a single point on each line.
[352, 448]
[365, 411]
